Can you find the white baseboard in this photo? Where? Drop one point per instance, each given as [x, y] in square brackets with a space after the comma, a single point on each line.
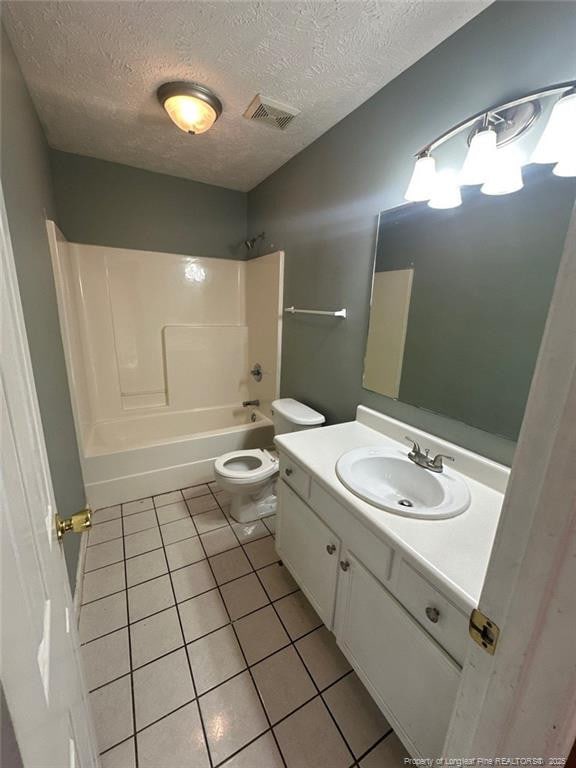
[121, 489]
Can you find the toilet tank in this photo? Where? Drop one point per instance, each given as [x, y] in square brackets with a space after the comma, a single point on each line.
[291, 416]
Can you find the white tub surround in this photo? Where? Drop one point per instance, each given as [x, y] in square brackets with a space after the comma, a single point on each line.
[397, 592]
[147, 455]
[158, 347]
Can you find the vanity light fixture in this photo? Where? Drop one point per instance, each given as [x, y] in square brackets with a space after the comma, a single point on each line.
[490, 131]
[446, 192]
[423, 178]
[481, 156]
[192, 107]
[505, 175]
[558, 141]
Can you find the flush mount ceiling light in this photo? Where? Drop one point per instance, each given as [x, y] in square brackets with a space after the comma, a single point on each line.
[192, 107]
[486, 163]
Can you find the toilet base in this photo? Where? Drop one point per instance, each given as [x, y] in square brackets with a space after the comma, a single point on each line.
[248, 509]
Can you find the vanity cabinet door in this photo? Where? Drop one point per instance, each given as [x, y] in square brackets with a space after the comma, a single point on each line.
[310, 550]
[410, 677]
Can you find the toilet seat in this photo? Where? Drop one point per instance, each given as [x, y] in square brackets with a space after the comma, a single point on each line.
[247, 466]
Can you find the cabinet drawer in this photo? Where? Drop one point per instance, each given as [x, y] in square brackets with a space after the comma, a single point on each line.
[439, 617]
[295, 476]
[377, 556]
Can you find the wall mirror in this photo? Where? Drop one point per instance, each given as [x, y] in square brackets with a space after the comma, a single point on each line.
[460, 299]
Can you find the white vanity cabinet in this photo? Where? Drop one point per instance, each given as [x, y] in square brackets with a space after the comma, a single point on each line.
[347, 574]
[311, 552]
[409, 676]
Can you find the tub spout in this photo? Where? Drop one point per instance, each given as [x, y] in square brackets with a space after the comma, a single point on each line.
[247, 403]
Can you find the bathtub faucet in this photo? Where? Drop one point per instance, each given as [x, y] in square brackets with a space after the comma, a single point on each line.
[247, 403]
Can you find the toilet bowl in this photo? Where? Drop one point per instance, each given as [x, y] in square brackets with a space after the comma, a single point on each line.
[249, 476]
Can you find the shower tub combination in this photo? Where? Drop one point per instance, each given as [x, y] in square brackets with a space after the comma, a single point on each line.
[159, 349]
[140, 456]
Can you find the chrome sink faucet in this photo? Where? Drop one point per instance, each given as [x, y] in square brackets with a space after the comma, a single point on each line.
[422, 459]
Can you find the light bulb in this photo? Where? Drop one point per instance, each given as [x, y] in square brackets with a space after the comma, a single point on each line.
[506, 174]
[423, 180]
[557, 141]
[480, 157]
[190, 114]
[446, 191]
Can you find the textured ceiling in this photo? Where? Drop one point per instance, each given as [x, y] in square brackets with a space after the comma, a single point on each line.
[93, 69]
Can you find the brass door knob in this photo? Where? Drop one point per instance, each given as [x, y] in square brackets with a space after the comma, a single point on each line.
[77, 523]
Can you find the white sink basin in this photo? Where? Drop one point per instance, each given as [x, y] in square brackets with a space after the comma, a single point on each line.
[389, 480]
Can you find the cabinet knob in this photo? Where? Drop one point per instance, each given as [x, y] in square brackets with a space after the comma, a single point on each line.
[344, 564]
[288, 471]
[330, 548]
[433, 614]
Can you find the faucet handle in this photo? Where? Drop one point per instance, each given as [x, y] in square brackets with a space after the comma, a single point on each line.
[415, 447]
[437, 461]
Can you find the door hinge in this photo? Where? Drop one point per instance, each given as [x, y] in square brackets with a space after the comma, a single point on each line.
[484, 631]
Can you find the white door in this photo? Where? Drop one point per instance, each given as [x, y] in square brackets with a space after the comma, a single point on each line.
[40, 652]
[310, 551]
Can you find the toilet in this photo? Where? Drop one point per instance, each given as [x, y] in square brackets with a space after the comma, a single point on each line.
[249, 476]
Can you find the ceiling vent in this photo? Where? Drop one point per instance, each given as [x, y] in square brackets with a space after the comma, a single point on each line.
[270, 112]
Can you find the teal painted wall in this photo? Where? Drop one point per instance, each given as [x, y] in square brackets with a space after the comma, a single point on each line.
[322, 206]
[103, 203]
[26, 183]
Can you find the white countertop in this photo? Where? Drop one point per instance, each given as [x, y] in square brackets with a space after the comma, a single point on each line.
[455, 551]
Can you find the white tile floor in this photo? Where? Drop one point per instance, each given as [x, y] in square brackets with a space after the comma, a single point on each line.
[200, 650]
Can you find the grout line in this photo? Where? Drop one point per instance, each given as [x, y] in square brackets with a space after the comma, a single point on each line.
[116, 562]
[248, 744]
[318, 691]
[102, 597]
[129, 649]
[142, 530]
[376, 743]
[210, 690]
[242, 651]
[248, 668]
[109, 749]
[147, 552]
[106, 634]
[109, 682]
[204, 731]
[106, 541]
[236, 674]
[167, 714]
[101, 522]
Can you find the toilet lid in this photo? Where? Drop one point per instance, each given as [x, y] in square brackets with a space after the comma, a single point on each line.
[246, 465]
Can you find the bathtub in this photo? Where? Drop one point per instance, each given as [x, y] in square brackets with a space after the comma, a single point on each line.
[137, 456]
